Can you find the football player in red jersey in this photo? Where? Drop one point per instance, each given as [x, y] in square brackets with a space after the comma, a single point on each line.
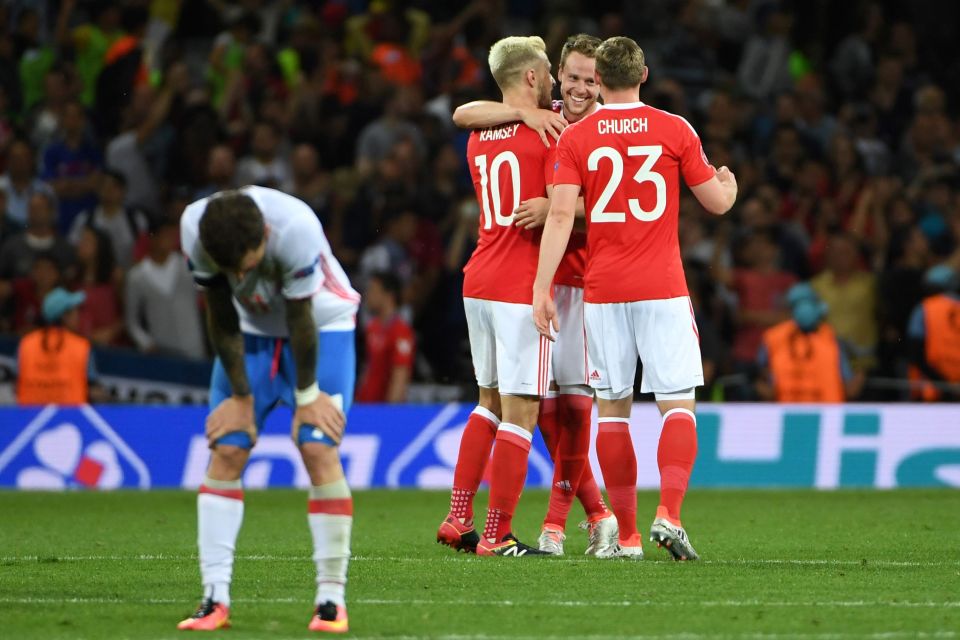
[627, 158]
[511, 360]
[565, 412]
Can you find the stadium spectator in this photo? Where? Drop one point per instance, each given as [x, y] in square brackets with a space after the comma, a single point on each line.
[42, 120]
[99, 278]
[264, 166]
[801, 359]
[378, 138]
[124, 70]
[934, 336]
[389, 343]
[72, 164]
[850, 294]
[27, 293]
[160, 305]
[90, 42]
[392, 252]
[123, 224]
[307, 181]
[55, 364]
[40, 236]
[221, 171]
[20, 181]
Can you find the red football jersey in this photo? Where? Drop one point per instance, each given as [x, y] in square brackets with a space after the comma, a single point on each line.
[389, 345]
[509, 164]
[627, 159]
[571, 268]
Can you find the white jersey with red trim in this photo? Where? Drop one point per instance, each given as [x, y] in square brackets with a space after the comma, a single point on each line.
[298, 264]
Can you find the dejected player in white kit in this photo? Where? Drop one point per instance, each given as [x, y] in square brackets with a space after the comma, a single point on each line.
[626, 159]
[566, 410]
[281, 315]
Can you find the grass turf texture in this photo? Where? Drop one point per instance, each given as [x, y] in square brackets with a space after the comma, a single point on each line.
[777, 564]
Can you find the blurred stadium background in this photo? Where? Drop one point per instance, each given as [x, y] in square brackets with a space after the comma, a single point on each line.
[840, 120]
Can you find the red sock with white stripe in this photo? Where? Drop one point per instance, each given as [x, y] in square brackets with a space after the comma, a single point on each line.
[618, 462]
[219, 516]
[508, 473]
[330, 516]
[475, 445]
[675, 456]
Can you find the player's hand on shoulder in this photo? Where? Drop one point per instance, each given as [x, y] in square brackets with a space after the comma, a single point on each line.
[545, 314]
[323, 414]
[545, 122]
[233, 414]
[532, 213]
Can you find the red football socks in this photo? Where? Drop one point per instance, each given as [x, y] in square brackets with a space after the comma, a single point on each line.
[472, 460]
[675, 456]
[618, 462]
[508, 473]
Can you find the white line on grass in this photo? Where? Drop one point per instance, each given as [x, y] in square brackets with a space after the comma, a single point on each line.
[923, 604]
[826, 562]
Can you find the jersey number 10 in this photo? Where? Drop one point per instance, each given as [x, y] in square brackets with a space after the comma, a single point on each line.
[646, 173]
[490, 188]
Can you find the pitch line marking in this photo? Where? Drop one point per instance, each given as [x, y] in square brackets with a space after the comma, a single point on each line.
[927, 604]
[467, 559]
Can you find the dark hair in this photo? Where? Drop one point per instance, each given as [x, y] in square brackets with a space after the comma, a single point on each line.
[390, 283]
[231, 226]
[116, 176]
[581, 43]
[105, 260]
[620, 63]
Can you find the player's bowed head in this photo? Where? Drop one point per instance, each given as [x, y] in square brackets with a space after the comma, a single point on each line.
[233, 232]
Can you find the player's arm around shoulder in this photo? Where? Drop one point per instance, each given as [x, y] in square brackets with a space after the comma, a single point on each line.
[481, 114]
[314, 408]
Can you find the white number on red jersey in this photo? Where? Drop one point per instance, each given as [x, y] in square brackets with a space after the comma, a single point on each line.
[645, 173]
[490, 187]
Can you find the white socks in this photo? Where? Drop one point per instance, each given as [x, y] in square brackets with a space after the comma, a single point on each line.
[330, 516]
[219, 516]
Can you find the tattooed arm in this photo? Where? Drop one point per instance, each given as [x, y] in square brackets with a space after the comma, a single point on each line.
[236, 412]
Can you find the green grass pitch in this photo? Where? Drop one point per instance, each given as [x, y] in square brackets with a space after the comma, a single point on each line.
[776, 564]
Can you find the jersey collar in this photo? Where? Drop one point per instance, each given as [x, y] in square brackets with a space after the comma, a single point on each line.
[623, 105]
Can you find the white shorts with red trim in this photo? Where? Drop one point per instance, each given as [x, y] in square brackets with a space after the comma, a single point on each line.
[570, 349]
[662, 333]
[507, 351]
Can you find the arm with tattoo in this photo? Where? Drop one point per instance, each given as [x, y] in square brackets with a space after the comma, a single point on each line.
[303, 340]
[223, 324]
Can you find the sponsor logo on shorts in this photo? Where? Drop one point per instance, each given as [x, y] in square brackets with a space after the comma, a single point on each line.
[595, 375]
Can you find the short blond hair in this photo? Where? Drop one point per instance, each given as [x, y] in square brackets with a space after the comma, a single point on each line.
[620, 63]
[510, 57]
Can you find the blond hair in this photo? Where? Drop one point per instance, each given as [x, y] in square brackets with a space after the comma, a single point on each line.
[620, 63]
[512, 56]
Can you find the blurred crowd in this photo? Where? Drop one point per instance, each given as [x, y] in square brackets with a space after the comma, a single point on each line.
[839, 119]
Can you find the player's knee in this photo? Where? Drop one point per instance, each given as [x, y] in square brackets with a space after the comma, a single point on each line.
[227, 462]
[490, 400]
[322, 462]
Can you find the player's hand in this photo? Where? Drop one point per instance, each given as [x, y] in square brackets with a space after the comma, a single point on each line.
[544, 122]
[532, 213]
[726, 177]
[545, 314]
[324, 414]
[233, 414]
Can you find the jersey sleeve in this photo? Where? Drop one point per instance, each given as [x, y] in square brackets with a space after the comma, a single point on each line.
[202, 268]
[299, 247]
[694, 166]
[550, 165]
[566, 165]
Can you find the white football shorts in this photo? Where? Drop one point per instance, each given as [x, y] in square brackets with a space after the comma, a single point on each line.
[508, 352]
[570, 349]
[662, 333]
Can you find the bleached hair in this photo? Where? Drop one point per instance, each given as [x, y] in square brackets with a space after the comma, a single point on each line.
[511, 57]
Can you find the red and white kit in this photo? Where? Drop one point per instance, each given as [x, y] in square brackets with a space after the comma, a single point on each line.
[509, 164]
[627, 159]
